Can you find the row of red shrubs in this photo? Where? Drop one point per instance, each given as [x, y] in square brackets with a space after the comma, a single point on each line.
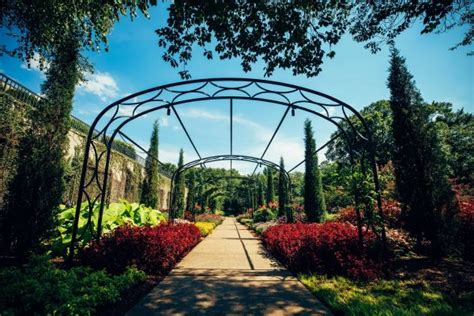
[330, 248]
[155, 250]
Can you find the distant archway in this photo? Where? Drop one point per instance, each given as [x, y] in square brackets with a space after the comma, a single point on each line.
[219, 158]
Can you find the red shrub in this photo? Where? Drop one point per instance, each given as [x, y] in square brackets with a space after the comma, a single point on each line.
[209, 218]
[391, 210]
[465, 199]
[330, 248]
[154, 250]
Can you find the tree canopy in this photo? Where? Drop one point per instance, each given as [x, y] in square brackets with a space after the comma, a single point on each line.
[42, 26]
[298, 35]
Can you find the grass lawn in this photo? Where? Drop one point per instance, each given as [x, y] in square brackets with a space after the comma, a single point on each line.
[385, 297]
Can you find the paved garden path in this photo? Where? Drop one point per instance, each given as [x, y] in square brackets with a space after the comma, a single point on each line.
[229, 272]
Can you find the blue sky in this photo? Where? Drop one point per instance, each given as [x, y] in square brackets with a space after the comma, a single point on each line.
[354, 76]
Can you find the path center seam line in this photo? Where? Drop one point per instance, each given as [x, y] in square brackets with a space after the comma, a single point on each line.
[243, 245]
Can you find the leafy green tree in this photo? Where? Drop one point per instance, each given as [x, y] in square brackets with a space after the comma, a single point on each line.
[282, 191]
[37, 188]
[270, 190]
[314, 203]
[336, 180]
[57, 32]
[419, 162]
[456, 129]
[378, 117]
[298, 35]
[178, 202]
[33, 26]
[151, 183]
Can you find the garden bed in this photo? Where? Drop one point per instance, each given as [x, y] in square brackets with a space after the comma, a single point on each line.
[326, 259]
[102, 282]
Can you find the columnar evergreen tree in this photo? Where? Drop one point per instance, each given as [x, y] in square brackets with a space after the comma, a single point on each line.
[270, 192]
[314, 204]
[282, 190]
[420, 166]
[179, 190]
[260, 194]
[37, 188]
[151, 183]
[191, 198]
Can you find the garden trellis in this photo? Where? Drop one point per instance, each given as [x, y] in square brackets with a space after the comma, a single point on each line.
[113, 118]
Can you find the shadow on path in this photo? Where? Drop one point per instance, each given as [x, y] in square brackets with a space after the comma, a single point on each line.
[229, 272]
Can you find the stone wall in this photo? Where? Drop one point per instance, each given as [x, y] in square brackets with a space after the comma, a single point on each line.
[125, 174]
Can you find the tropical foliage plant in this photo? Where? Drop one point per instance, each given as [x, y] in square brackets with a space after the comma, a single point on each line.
[115, 215]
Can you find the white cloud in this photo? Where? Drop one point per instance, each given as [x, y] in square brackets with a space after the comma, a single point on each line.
[164, 122]
[291, 148]
[203, 114]
[101, 84]
[126, 110]
[216, 116]
[34, 65]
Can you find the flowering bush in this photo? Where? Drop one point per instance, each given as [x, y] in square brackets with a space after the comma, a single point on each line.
[330, 248]
[399, 241]
[188, 216]
[181, 221]
[210, 218]
[205, 228]
[154, 250]
[465, 199]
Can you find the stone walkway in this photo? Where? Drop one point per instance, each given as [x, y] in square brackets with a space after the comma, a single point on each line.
[229, 272]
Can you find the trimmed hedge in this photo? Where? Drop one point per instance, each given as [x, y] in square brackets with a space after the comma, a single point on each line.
[155, 250]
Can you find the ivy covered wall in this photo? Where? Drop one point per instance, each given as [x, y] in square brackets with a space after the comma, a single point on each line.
[125, 172]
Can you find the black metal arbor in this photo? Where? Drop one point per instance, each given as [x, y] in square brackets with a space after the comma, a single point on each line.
[113, 118]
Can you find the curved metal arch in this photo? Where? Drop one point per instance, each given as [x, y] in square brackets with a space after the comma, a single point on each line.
[218, 158]
[170, 95]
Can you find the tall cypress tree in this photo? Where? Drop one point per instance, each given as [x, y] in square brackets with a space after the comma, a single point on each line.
[36, 189]
[314, 203]
[420, 166]
[260, 195]
[282, 190]
[270, 193]
[150, 185]
[179, 190]
[191, 198]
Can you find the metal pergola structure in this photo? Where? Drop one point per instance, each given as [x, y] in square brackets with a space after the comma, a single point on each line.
[111, 120]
